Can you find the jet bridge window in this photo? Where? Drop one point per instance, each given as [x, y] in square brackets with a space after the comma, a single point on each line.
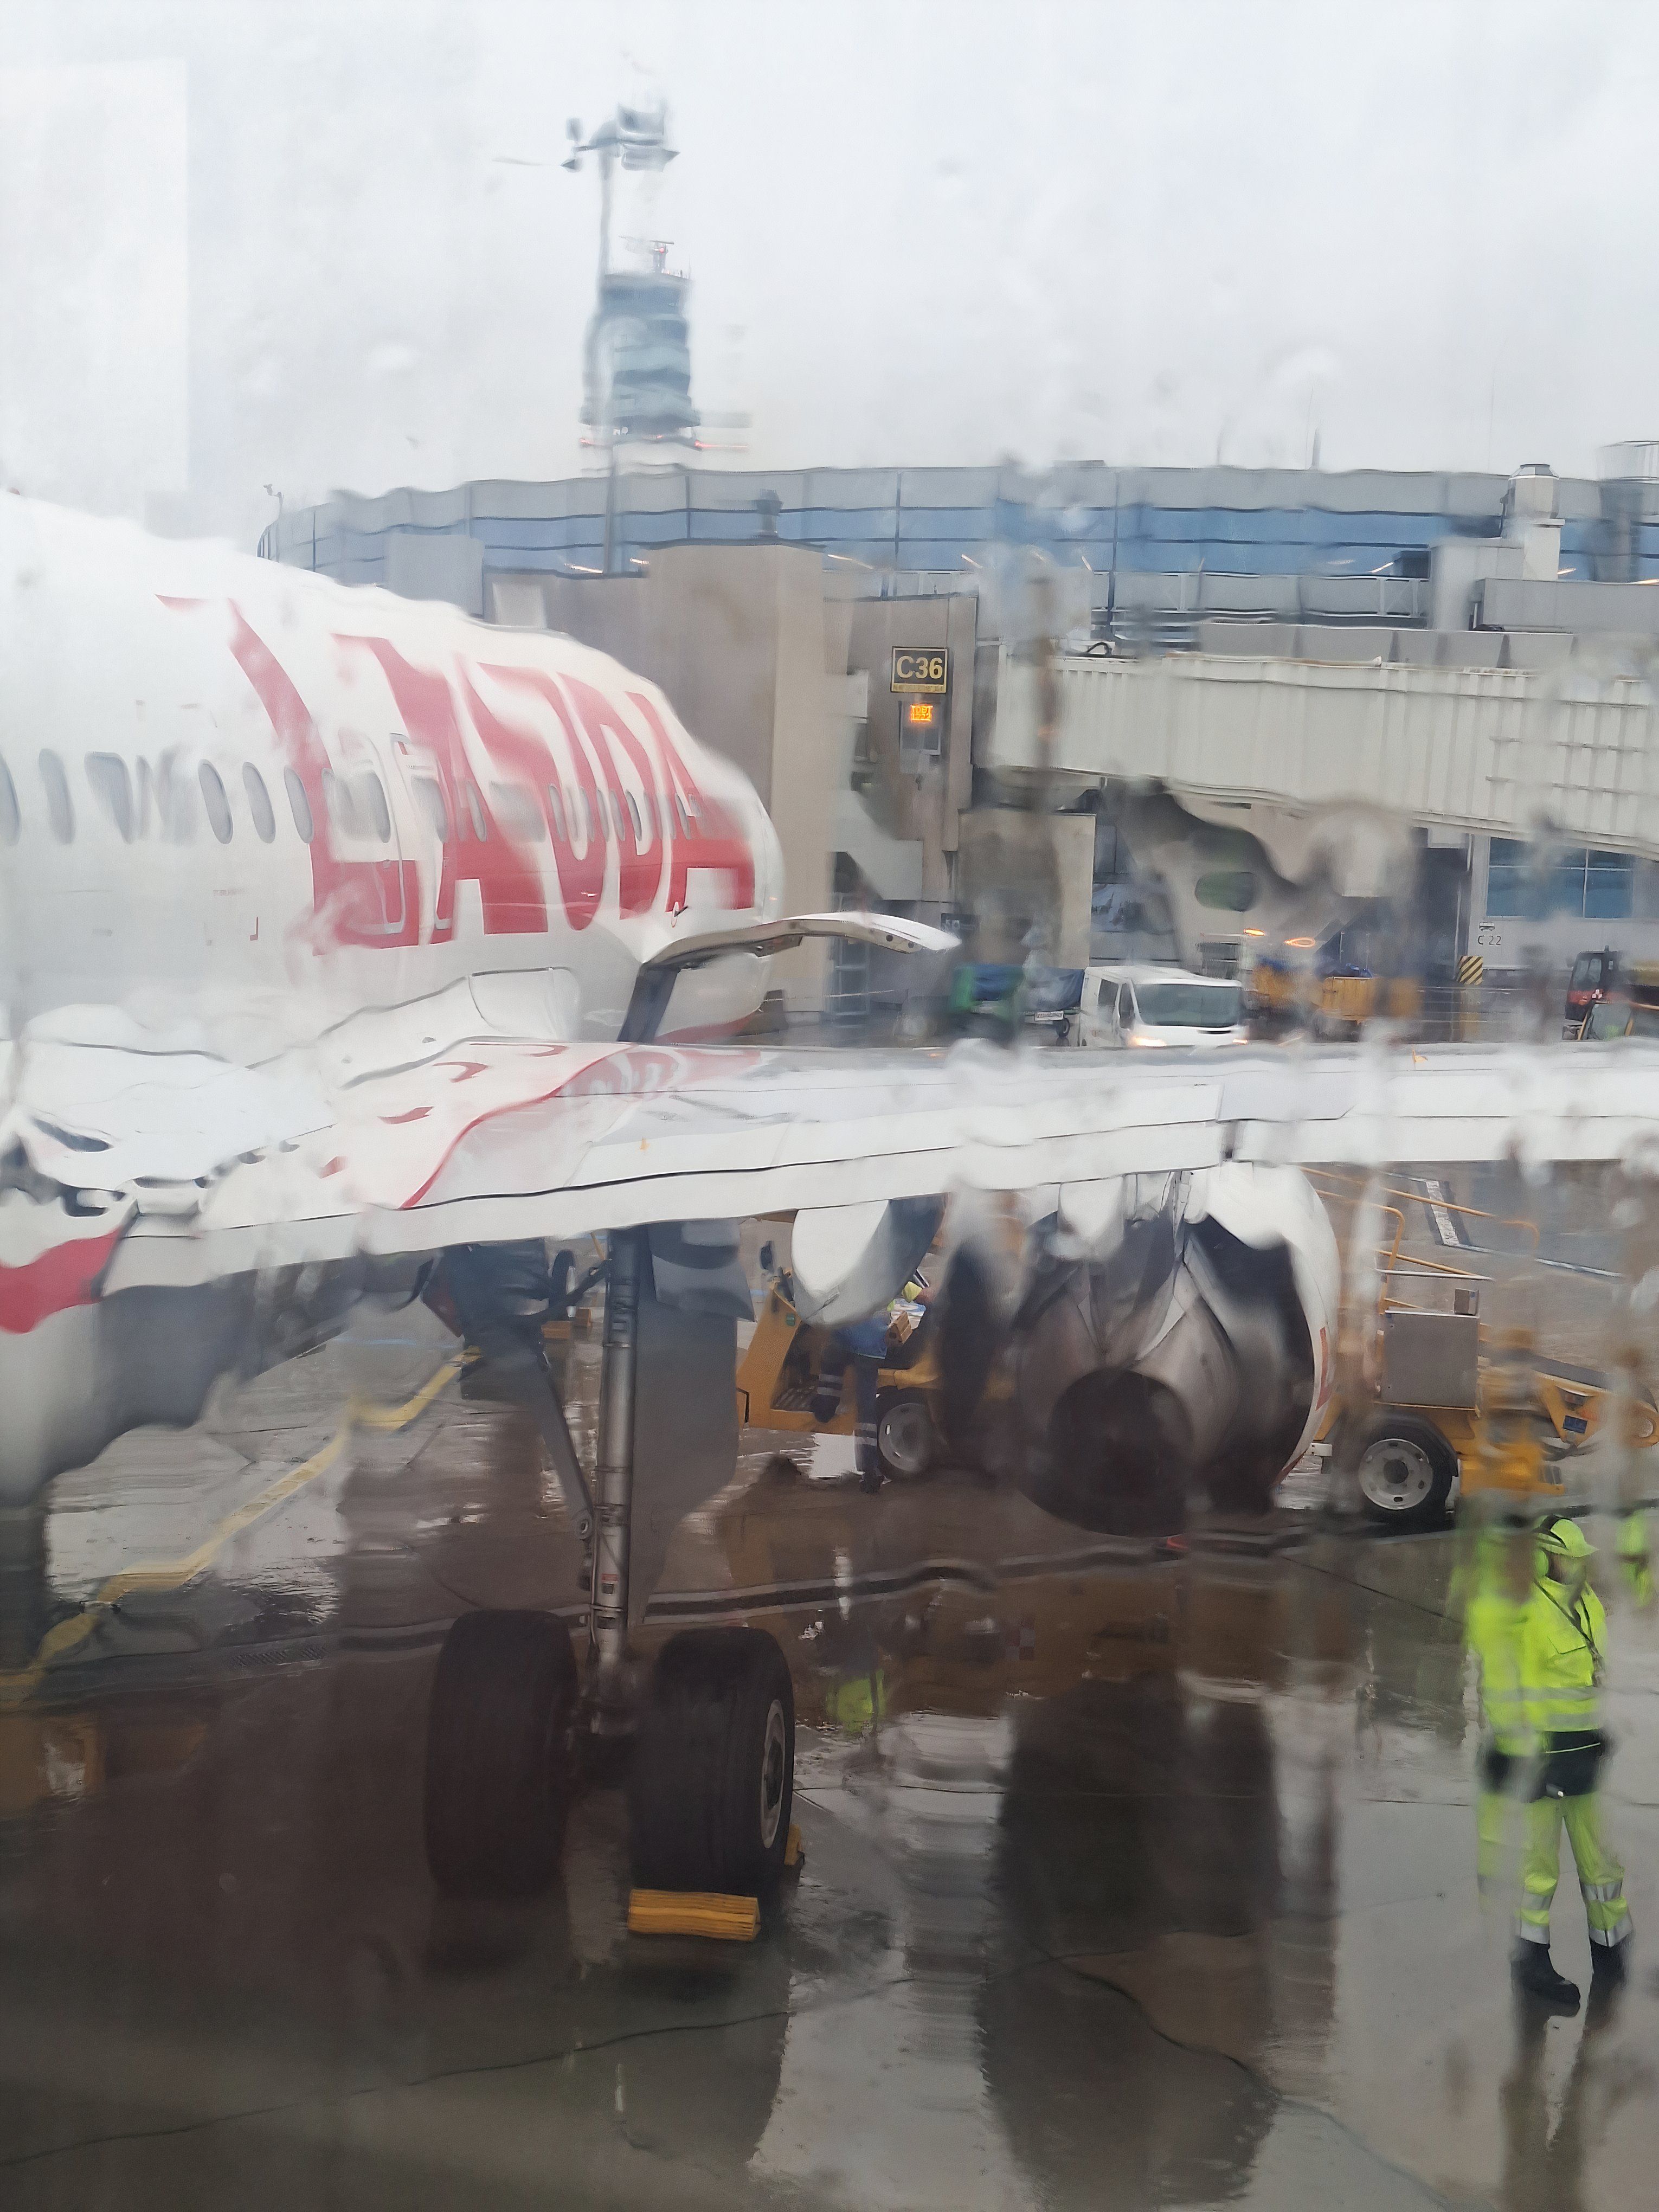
[112, 783]
[299, 805]
[10, 820]
[215, 800]
[258, 799]
[1230, 890]
[60, 812]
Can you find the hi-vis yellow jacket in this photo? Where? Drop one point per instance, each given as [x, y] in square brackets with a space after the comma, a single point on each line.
[1541, 1664]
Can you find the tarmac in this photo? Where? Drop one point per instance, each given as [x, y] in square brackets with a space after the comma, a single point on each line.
[1134, 1874]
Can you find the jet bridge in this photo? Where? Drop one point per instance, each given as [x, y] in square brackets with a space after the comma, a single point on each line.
[1248, 736]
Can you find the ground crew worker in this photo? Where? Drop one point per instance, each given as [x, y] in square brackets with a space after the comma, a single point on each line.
[865, 1345]
[1494, 1582]
[1635, 1550]
[1557, 1656]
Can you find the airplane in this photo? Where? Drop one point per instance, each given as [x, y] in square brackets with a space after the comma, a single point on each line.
[355, 949]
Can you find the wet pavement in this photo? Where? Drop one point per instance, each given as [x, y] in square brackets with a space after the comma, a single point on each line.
[1133, 1875]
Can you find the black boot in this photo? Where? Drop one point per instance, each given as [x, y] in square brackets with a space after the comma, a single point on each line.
[1534, 1973]
[1607, 1964]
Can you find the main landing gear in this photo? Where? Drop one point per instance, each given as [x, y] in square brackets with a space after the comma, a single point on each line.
[711, 1777]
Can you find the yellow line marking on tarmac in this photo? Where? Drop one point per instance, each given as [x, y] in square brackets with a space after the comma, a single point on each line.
[173, 1574]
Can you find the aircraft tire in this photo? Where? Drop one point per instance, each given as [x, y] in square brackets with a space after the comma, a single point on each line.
[711, 1784]
[499, 1754]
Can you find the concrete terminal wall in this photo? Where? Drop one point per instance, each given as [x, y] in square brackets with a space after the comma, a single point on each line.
[736, 637]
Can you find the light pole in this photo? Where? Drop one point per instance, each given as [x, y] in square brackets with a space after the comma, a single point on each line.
[638, 137]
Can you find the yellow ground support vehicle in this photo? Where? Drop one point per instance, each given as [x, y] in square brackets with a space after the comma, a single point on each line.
[1332, 1005]
[1428, 1397]
[778, 1376]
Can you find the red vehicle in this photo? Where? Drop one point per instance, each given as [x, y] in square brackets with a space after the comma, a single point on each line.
[1594, 977]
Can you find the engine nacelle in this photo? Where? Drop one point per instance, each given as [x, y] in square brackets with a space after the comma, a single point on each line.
[1190, 1345]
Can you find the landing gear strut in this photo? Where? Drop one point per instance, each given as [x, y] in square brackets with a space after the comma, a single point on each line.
[711, 1781]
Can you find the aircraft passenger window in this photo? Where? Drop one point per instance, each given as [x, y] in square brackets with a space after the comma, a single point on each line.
[590, 815]
[60, 811]
[555, 801]
[299, 807]
[258, 799]
[475, 808]
[634, 817]
[214, 798]
[341, 801]
[10, 820]
[175, 803]
[684, 811]
[430, 798]
[110, 778]
[516, 809]
[371, 797]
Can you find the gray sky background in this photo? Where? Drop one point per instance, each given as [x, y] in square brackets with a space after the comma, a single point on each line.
[316, 246]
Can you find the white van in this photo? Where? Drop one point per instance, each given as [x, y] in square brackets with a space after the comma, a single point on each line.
[1151, 1007]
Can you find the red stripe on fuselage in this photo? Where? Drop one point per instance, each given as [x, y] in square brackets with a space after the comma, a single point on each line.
[54, 1281]
[509, 883]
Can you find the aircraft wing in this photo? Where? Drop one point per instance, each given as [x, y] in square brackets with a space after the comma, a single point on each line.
[494, 1140]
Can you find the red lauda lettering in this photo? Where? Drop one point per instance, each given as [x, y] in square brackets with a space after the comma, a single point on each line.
[581, 875]
[640, 874]
[705, 835]
[357, 901]
[509, 884]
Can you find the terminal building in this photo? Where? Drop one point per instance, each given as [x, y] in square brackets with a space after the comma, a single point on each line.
[1193, 714]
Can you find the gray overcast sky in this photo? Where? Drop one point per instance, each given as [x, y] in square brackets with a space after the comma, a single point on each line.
[918, 233]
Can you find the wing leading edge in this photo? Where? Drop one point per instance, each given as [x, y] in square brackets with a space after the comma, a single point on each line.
[497, 1140]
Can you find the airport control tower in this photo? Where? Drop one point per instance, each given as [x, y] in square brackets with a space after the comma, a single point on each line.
[637, 355]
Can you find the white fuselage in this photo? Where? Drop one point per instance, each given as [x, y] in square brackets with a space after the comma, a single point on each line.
[246, 796]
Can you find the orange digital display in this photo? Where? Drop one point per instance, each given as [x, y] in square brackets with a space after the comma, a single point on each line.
[919, 711]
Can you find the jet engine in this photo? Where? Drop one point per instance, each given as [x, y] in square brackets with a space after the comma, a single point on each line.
[1173, 1332]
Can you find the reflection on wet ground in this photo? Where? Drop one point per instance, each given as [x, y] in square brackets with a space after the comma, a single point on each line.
[1135, 1875]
